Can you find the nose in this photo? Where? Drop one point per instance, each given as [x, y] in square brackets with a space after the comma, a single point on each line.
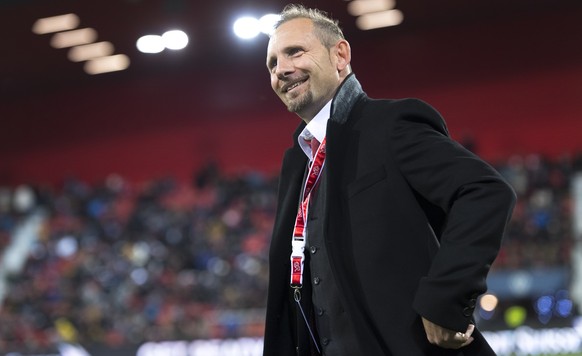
[284, 68]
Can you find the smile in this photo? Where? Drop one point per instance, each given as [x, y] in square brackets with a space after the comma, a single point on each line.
[292, 86]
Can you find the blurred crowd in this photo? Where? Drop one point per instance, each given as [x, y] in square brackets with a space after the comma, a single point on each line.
[540, 232]
[122, 263]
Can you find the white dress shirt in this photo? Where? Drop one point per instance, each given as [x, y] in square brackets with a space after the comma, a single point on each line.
[315, 128]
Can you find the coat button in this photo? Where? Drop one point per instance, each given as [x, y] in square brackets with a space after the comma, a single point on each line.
[325, 341]
[320, 311]
[467, 311]
[313, 249]
[316, 280]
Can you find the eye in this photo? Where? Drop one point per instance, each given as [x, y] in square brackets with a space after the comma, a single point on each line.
[295, 51]
[271, 64]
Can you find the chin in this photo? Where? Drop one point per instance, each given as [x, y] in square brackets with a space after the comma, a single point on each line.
[299, 104]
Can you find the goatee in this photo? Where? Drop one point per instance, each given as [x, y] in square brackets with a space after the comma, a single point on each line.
[300, 103]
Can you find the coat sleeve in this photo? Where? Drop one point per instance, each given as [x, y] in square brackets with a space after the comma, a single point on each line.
[476, 200]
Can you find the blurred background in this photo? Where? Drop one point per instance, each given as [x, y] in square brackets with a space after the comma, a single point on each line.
[137, 185]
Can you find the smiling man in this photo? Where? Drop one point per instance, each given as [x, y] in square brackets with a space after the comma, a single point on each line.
[385, 228]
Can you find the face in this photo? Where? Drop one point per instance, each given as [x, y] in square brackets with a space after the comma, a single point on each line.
[304, 73]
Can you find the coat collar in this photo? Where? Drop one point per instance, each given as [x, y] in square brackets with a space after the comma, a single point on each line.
[344, 100]
[348, 93]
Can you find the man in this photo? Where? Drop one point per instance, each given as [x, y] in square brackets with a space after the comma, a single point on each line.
[384, 233]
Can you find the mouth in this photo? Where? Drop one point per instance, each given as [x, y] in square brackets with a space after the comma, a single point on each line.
[290, 86]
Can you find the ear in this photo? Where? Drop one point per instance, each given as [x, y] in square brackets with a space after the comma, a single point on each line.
[344, 56]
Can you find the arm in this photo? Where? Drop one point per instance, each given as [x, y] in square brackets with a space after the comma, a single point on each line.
[477, 202]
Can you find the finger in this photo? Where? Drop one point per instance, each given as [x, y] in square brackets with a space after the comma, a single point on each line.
[468, 334]
[470, 330]
[465, 338]
[461, 337]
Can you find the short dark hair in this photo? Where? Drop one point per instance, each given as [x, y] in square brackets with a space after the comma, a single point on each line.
[326, 29]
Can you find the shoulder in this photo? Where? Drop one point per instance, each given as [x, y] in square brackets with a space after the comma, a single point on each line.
[400, 113]
[407, 106]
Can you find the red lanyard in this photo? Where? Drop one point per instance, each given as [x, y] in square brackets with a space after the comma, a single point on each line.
[299, 231]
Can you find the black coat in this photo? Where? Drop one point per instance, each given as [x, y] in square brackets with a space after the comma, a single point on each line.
[413, 223]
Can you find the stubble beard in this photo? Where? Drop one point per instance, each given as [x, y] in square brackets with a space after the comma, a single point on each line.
[297, 105]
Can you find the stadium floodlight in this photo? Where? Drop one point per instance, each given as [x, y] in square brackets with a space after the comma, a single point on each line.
[55, 24]
[267, 23]
[175, 39]
[150, 44]
[379, 19]
[247, 27]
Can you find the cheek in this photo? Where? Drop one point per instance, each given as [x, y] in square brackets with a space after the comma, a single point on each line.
[274, 82]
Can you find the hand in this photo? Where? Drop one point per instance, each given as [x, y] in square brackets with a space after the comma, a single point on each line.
[445, 338]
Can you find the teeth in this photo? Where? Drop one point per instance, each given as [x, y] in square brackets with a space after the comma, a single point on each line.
[294, 85]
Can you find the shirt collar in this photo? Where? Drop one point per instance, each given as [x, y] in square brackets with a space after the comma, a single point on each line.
[315, 128]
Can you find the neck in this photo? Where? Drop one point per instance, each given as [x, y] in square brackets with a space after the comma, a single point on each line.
[307, 117]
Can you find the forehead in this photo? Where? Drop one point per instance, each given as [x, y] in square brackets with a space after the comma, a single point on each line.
[291, 33]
